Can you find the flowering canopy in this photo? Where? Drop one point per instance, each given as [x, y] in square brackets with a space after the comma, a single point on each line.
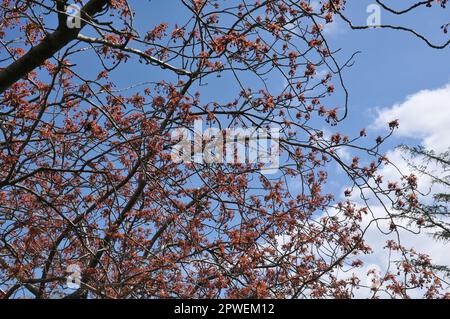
[87, 178]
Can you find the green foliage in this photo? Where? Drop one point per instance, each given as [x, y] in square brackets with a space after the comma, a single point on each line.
[435, 216]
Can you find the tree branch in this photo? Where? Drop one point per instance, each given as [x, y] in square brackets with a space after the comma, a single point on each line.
[48, 47]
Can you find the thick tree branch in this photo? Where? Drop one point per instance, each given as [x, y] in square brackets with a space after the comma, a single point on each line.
[48, 47]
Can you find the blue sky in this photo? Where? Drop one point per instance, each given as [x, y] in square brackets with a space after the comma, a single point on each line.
[392, 64]
[391, 67]
[398, 76]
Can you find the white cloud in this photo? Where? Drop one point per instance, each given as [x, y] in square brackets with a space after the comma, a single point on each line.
[410, 237]
[424, 115]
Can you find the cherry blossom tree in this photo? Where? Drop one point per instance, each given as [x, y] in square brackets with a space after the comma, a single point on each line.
[87, 176]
